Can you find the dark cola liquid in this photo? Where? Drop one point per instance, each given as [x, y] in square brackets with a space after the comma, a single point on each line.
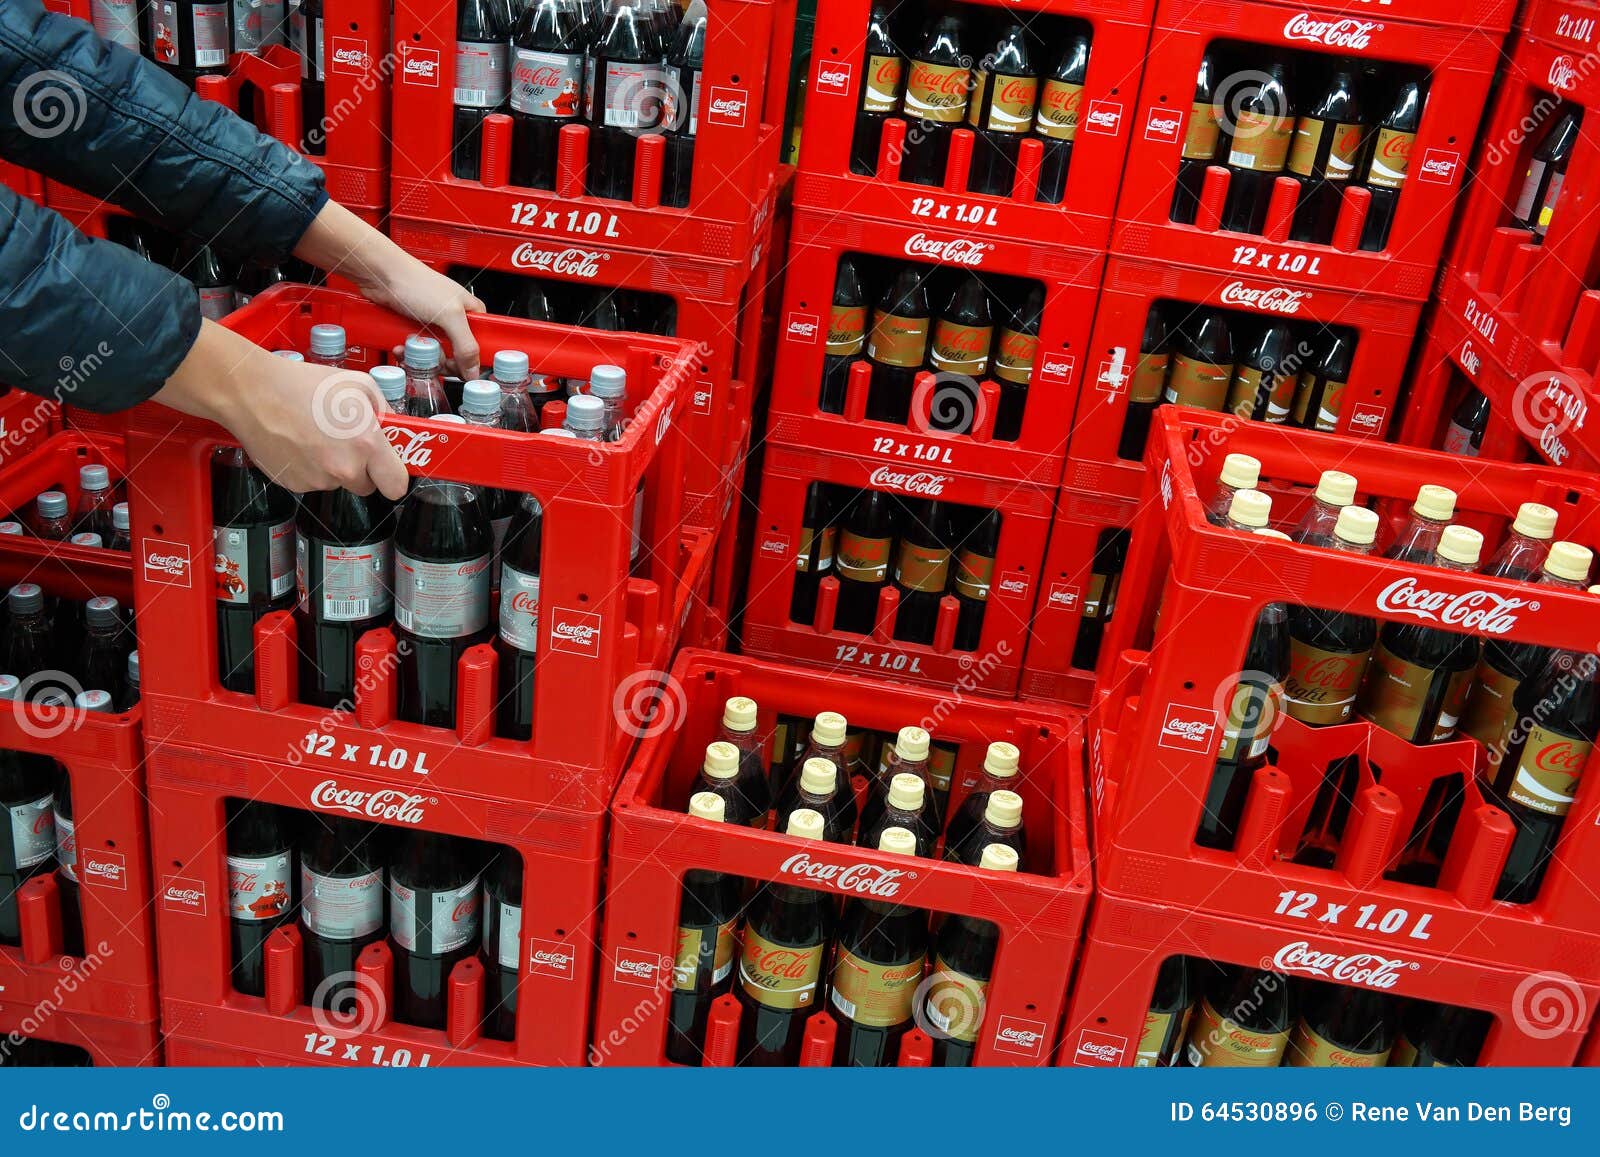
[435, 914]
[502, 944]
[704, 967]
[877, 973]
[344, 568]
[342, 904]
[67, 866]
[622, 97]
[517, 638]
[781, 972]
[253, 530]
[27, 830]
[262, 883]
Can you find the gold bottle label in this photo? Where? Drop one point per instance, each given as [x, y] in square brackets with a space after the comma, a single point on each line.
[1149, 377]
[863, 559]
[1322, 685]
[876, 995]
[898, 341]
[1547, 774]
[1218, 1042]
[1203, 385]
[955, 1002]
[1310, 1049]
[1260, 142]
[1012, 108]
[778, 975]
[1200, 135]
[847, 330]
[1060, 107]
[937, 92]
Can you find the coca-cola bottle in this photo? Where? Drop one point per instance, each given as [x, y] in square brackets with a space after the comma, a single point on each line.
[424, 359]
[1319, 398]
[117, 21]
[52, 516]
[937, 89]
[708, 925]
[719, 776]
[877, 968]
[1440, 1036]
[740, 715]
[814, 561]
[680, 115]
[261, 885]
[1166, 1021]
[1464, 434]
[863, 560]
[1263, 122]
[1263, 383]
[922, 569]
[27, 833]
[1202, 367]
[1147, 384]
[189, 38]
[1001, 763]
[480, 406]
[1322, 155]
[1547, 172]
[1342, 1026]
[622, 96]
[516, 642]
[102, 659]
[1390, 163]
[882, 74]
[1100, 600]
[344, 563]
[898, 344]
[435, 913]
[1014, 355]
[905, 805]
[511, 375]
[1249, 512]
[780, 967]
[1242, 1021]
[546, 88]
[1329, 650]
[29, 639]
[974, 572]
[483, 79]
[67, 882]
[1200, 136]
[308, 31]
[253, 529]
[962, 335]
[1000, 110]
[824, 789]
[254, 280]
[847, 336]
[1418, 540]
[327, 345]
[958, 986]
[502, 944]
[199, 263]
[1335, 490]
[391, 382]
[1523, 552]
[1247, 730]
[342, 909]
[1058, 116]
[95, 500]
[1001, 824]
[121, 532]
[443, 545]
[830, 739]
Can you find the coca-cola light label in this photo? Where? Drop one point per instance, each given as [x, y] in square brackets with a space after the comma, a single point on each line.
[33, 831]
[519, 608]
[507, 921]
[66, 846]
[258, 886]
[546, 84]
[441, 600]
[233, 561]
[341, 907]
[431, 923]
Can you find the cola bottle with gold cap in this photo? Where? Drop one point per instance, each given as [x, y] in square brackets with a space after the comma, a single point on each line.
[958, 988]
[1146, 383]
[719, 775]
[1239, 472]
[865, 543]
[974, 572]
[1166, 1021]
[1329, 650]
[830, 740]
[1418, 540]
[1001, 824]
[1249, 511]
[708, 925]
[911, 752]
[1335, 490]
[1263, 383]
[906, 805]
[822, 788]
[897, 344]
[1419, 676]
[1203, 364]
[1319, 398]
[1002, 763]
[740, 715]
[1522, 554]
[1342, 1026]
[877, 970]
[1014, 355]
[847, 336]
[1242, 1021]
[780, 968]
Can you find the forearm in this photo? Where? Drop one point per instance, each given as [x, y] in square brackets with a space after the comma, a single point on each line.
[340, 242]
[215, 379]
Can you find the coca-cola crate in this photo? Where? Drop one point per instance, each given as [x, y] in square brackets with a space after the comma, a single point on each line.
[603, 624]
[1383, 331]
[717, 306]
[24, 182]
[109, 1042]
[1537, 1019]
[26, 421]
[1445, 370]
[1039, 910]
[740, 118]
[1457, 65]
[993, 666]
[1119, 31]
[1077, 595]
[1069, 279]
[1156, 728]
[560, 849]
[731, 516]
[54, 465]
[1589, 1056]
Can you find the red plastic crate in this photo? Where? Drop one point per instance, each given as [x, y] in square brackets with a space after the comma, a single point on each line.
[1538, 1019]
[1070, 279]
[110, 1043]
[1154, 733]
[24, 182]
[1461, 62]
[54, 465]
[587, 491]
[26, 420]
[1443, 368]
[560, 847]
[1039, 912]
[1120, 31]
[736, 151]
[731, 545]
[1384, 332]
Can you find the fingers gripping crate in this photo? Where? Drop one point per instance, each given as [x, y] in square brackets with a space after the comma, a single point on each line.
[603, 624]
[1039, 911]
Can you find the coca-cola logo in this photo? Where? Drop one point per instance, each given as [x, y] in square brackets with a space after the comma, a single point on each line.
[1013, 584]
[1475, 610]
[1015, 1035]
[551, 957]
[542, 76]
[166, 562]
[833, 76]
[1057, 368]
[804, 327]
[1105, 117]
[727, 106]
[1564, 757]
[639, 968]
[104, 869]
[466, 909]
[1439, 167]
[420, 67]
[1161, 124]
[349, 56]
[575, 632]
[859, 879]
[525, 603]
[1346, 33]
[1563, 73]
[1187, 728]
[1100, 1049]
[956, 251]
[571, 262]
[386, 805]
[413, 446]
[1365, 968]
[1062, 596]
[775, 547]
[920, 482]
[1365, 418]
[184, 895]
[1270, 299]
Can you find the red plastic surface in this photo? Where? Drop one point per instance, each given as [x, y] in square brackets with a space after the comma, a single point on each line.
[1445, 364]
[110, 1043]
[26, 420]
[25, 182]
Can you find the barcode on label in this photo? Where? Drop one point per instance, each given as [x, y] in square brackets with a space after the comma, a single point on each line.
[349, 608]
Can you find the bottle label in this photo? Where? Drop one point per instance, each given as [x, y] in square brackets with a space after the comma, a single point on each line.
[1397, 694]
[1200, 384]
[847, 330]
[1310, 1049]
[816, 550]
[117, 21]
[483, 73]
[258, 887]
[873, 994]
[974, 573]
[341, 907]
[865, 560]
[1011, 111]
[216, 302]
[960, 349]
[777, 975]
[1244, 391]
[210, 35]
[923, 568]
[247, 25]
[1060, 105]
[507, 947]
[1391, 160]
[308, 43]
[937, 92]
[1344, 140]
[1149, 378]
[1201, 133]
[1328, 406]
[1093, 597]
[633, 94]
[882, 93]
[519, 608]
[955, 1002]
[1322, 685]
[1218, 1042]
[1249, 708]
[1013, 359]
[1160, 1028]
[681, 101]
[898, 341]
[1403, 1055]
[355, 582]
[941, 768]
[546, 84]
[233, 561]
[1458, 440]
[1547, 211]
[1491, 712]
[164, 45]
[433, 923]
[1547, 774]
[66, 845]
[441, 600]
[1260, 142]
[708, 949]
[33, 831]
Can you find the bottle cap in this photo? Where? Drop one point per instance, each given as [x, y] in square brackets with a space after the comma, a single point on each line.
[391, 381]
[1250, 508]
[93, 701]
[999, 858]
[8, 686]
[818, 777]
[1461, 544]
[1002, 760]
[1336, 488]
[722, 760]
[480, 396]
[585, 414]
[327, 341]
[511, 366]
[1357, 525]
[133, 666]
[450, 419]
[94, 478]
[805, 823]
[1004, 809]
[911, 744]
[1568, 561]
[102, 611]
[87, 538]
[829, 729]
[558, 433]
[9, 527]
[1435, 502]
[1240, 471]
[1269, 532]
[906, 792]
[1535, 520]
[423, 352]
[52, 504]
[608, 382]
[900, 841]
[119, 516]
[290, 355]
[707, 805]
[739, 713]
[25, 599]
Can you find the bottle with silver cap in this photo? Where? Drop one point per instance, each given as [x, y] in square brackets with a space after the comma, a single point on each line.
[518, 410]
[424, 361]
[121, 534]
[87, 540]
[27, 644]
[11, 526]
[103, 655]
[391, 381]
[27, 823]
[327, 345]
[130, 685]
[481, 406]
[586, 418]
[610, 384]
[52, 518]
[253, 531]
[96, 497]
[290, 355]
